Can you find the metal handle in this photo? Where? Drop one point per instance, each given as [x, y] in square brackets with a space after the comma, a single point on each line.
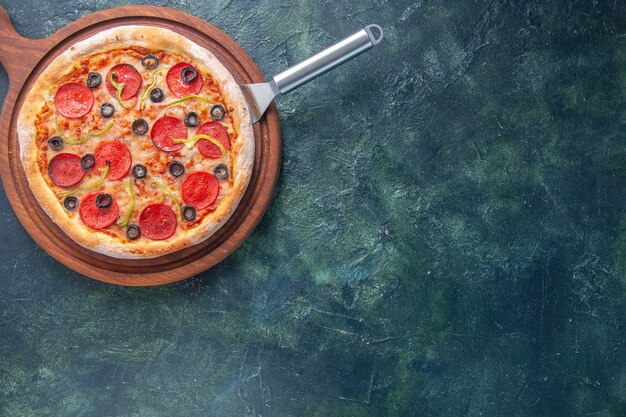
[328, 59]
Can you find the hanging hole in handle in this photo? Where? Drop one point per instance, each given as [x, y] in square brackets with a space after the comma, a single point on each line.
[373, 37]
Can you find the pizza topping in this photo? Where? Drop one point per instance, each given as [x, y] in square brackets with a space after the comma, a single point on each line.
[184, 79]
[192, 119]
[211, 148]
[101, 178]
[103, 130]
[186, 99]
[126, 77]
[165, 190]
[95, 184]
[165, 131]
[133, 232]
[85, 138]
[189, 213]
[149, 90]
[116, 155]
[87, 161]
[156, 95]
[176, 168]
[131, 208]
[139, 171]
[218, 112]
[107, 110]
[55, 143]
[103, 200]
[65, 171]
[200, 189]
[98, 217]
[150, 61]
[93, 79]
[192, 141]
[221, 171]
[118, 90]
[73, 100]
[189, 74]
[70, 203]
[140, 127]
[157, 222]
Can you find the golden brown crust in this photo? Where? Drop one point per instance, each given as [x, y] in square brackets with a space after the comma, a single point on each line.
[154, 39]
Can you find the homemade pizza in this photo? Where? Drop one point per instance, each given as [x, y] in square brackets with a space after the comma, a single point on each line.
[136, 142]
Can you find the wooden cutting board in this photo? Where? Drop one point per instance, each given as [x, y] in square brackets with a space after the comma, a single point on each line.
[25, 59]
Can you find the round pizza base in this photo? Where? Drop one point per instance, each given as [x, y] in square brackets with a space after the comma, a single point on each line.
[118, 38]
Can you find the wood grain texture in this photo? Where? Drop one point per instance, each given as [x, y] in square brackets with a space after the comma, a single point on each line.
[25, 60]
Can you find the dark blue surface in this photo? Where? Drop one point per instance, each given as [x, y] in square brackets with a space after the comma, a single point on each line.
[447, 237]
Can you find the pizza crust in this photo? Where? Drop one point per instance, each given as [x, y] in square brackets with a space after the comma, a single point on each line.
[151, 38]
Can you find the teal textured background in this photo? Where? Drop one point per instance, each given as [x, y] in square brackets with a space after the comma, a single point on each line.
[447, 237]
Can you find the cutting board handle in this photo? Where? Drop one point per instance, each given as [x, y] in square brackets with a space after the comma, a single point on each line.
[8, 36]
[16, 51]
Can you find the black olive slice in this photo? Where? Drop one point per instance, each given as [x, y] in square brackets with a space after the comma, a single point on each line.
[70, 202]
[133, 231]
[107, 110]
[140, 171]
[55, 143]
[189, 213]
[87, 161]
[221, 171]
[103, 200]
[176, 168]
[189, 74]
[93, 80]
[150, 61]
[156, 95]
[217, 112]
[140, 126]
[192, 119]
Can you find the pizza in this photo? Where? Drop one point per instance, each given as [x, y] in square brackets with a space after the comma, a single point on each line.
[136, 142]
